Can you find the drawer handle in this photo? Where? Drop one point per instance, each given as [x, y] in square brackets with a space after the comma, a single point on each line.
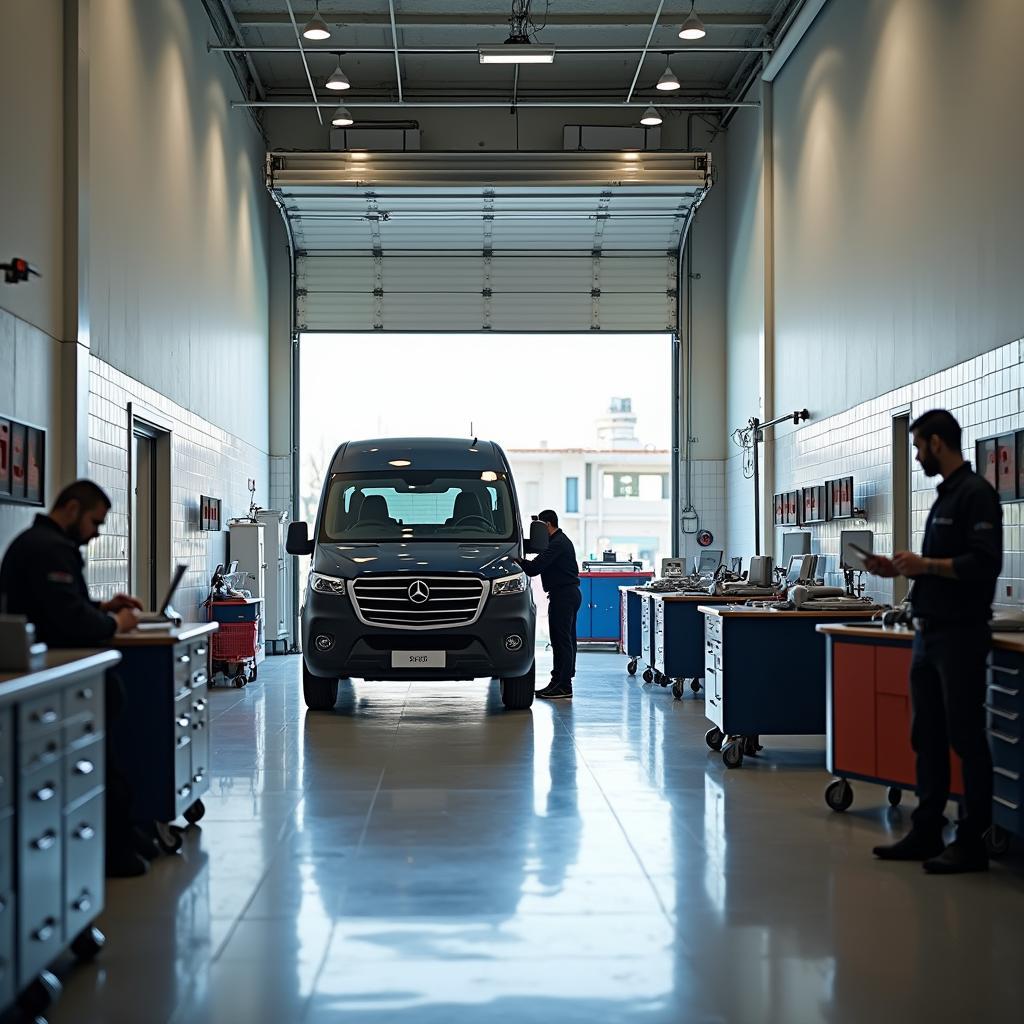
[1006, 803]
[184, 659]
[45, 931]
[85, 832]
[45, 842]
[184, 721]
[183, 741]
[1004, 670]
[83, 903]
[1003, 689]
[197, 778]
[1010, 716]
[199, 705]
[184, 791]
[199, 725]
[1006, 773]
[84, 767]
[44, 793]
[201, 679]
[47, 717]
[200, 652]
[85, 693]
[996, 734]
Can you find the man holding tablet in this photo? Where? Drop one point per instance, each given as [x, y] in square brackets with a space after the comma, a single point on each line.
[954, 583]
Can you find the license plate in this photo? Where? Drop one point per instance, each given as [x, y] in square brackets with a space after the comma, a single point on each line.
[418, 659]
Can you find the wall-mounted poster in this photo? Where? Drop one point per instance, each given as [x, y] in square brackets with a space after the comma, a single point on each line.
[985, 457]
[1006, 467]
[5, 458]
[779, 516]
[34, 465]
[794, 500]
[814, 504]
[18, 432]
[839, 498]
[209, 513]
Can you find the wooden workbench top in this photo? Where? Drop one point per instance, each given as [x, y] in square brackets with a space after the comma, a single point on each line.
[57, 666]
[741, 611]
[901, 634]
[161, 637]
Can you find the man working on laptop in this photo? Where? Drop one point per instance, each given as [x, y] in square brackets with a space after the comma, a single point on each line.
[42, 578]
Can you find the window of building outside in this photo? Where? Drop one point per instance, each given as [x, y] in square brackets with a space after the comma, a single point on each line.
[646, 486]
[572, 494]
[590, 481]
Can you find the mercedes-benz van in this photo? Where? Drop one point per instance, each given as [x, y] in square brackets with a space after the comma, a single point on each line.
[413, 574]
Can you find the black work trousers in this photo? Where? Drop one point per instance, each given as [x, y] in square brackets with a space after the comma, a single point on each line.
[563, 604]
[120, 839]
[947, 691]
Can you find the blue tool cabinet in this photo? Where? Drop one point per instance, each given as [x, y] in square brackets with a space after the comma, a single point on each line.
[597, 621]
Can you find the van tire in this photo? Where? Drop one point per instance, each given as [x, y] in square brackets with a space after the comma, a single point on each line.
[517, 691]
[319, 694]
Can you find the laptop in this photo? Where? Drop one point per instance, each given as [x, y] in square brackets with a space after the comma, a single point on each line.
[166, 616]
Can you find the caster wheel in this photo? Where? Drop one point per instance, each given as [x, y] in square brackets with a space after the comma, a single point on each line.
[648, 676]
[895, 795]
[751, 748]
[239, 680]
[732, 754]
[631, 667]
[660, 679]
[839, 795]
[252, 674]
[997, 840]
[87, 943]
[169, 838]
[40, 995]
[194, 812]
[695, 685]
[713, 738]
[677, 689]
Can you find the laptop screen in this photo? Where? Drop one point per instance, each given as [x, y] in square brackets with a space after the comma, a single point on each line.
[179, 572]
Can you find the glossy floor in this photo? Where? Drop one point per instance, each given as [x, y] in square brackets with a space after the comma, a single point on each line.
[420, 855]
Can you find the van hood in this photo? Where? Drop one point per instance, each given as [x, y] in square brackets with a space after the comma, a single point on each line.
[351, 561]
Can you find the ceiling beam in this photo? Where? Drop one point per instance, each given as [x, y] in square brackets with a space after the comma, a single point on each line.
[498, 18]
[442, 51]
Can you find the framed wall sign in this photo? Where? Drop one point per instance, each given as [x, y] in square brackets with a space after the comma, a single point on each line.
[209, 513]
[1006, 467]
[22, 463]
[985, 459]
[814, 505]
[5, 458]
[839, 498]
[18, 468]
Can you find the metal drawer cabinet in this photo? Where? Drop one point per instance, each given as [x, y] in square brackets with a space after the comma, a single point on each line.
[6, 760]
[84, 772]
[1005, 713]
[7, 948]
[83, 864]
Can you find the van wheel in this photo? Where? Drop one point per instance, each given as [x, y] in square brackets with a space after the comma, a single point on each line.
[517, 691]
[319, 694]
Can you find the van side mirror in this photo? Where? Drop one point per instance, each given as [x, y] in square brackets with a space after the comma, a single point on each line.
[298, 542]
[538, 538]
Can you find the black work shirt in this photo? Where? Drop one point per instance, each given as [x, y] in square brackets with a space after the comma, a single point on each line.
[42, 578]
[965, 524]
[556, 565]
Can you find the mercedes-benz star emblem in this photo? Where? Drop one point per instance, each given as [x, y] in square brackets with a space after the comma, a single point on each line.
[419, 592]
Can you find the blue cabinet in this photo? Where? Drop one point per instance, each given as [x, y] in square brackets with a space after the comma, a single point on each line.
[598, 619]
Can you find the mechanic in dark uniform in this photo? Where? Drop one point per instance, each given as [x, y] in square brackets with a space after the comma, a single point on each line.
[560, 575]
[954, 583]
[42, 578]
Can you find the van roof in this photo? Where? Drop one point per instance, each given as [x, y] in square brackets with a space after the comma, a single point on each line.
[457, 453]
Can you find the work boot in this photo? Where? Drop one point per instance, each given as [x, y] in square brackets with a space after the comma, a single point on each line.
[961, 856]
[915, 845]
[556, 691]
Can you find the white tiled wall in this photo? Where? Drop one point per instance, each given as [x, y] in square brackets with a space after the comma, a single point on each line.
[708, 498]
[984, 394]
[205, 460]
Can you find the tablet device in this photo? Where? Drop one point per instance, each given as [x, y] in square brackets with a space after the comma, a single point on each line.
[858, 555]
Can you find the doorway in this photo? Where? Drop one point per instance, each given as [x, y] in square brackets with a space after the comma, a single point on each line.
[149, 487]
[901, 494]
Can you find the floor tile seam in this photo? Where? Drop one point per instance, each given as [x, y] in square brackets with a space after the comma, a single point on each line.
[618, 820]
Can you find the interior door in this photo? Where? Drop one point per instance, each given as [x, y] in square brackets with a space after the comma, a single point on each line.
[143, 525]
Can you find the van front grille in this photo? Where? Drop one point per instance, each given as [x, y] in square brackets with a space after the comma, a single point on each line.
[419, 602]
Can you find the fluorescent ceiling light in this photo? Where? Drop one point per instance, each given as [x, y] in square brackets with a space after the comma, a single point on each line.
[316, 28]
[693, 27]
[516, 53]
[651, 117]
[341, 118]
[668, 81]
[338, 80]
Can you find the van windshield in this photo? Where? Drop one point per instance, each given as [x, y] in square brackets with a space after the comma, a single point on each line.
[418, 505]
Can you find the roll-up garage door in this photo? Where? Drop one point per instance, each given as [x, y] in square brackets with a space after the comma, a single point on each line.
[504, 242]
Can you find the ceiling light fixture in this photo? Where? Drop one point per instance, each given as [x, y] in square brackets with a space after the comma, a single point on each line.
[341, 118]
[338, 79]
[316, 27]
[515, 52]
[651, 117]
[693, 27]
[668, 81]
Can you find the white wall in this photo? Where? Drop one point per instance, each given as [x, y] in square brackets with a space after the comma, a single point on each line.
[899, 209]
[179, 216]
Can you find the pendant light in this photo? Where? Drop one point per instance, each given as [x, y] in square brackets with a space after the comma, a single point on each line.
[341, 118]
[338, 80]
[651, 117]
[316, 28]
[693, 27]
[668, 81]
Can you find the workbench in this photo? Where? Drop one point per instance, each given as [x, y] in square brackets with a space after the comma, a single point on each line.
[677, 639]
[764, 673]
[161, 740]
[868, 717]
[630, 638]
[51, 821]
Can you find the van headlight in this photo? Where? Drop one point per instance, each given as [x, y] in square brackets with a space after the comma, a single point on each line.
[510, 584]
[326, 584]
